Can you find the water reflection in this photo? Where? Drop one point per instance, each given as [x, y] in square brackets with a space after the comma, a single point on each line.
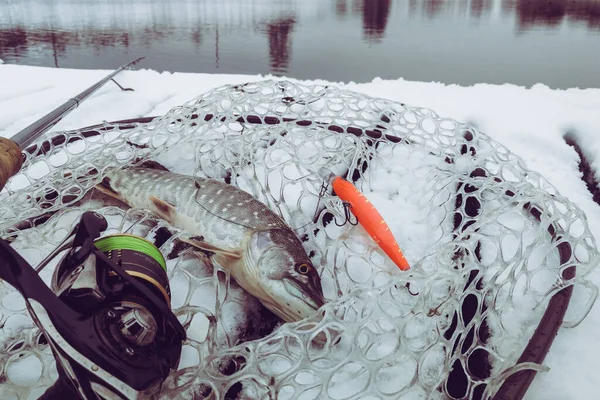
[459, 9]
[279, 33]
[551, 13]
[341, 8]
[434, 7]
[13, 42]
[17, 42]
[375, 17]
[332, 39]
[480, 8]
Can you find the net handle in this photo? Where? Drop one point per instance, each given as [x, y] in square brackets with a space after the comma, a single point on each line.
[10, 160]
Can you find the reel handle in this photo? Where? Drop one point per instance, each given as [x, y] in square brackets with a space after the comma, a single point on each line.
[10, 160]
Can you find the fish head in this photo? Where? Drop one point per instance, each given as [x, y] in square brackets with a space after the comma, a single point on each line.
[290, 285]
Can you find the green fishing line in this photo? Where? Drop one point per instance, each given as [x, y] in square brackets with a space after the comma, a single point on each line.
[126, 242]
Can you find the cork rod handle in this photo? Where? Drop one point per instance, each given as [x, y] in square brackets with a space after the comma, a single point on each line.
[10, 160]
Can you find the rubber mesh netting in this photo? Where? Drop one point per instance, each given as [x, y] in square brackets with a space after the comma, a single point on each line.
[489, 244]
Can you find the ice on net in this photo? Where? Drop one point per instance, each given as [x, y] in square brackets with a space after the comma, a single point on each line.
[489, 243]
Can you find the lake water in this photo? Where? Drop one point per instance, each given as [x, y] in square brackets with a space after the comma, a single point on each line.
[523, 42]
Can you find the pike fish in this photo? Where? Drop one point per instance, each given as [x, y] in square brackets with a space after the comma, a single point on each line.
[254, 244]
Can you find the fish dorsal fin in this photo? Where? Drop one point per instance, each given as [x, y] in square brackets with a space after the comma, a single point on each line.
[235, 253]
[236, 206]
[151, 164]
[163, 209]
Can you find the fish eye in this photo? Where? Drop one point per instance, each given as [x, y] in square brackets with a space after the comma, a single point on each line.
[303, 268]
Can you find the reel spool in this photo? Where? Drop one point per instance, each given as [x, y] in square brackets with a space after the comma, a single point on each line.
[106, 315]
[128, 323]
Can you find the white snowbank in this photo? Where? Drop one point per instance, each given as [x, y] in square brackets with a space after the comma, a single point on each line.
[531, 122]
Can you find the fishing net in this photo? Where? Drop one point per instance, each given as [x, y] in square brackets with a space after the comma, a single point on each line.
[495, 251]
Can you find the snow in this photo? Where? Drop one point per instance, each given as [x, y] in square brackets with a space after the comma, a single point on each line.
[531, 122]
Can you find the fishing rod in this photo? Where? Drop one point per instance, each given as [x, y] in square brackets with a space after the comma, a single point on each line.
[107, 315]
[10, 149]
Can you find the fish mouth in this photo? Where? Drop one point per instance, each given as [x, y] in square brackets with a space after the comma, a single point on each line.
[311, 297]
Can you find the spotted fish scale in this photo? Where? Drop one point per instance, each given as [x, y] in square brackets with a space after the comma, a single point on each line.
[249, 240]
[222, 212]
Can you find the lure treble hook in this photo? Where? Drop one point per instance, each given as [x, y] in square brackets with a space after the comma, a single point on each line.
[347, 215]
[364, 212]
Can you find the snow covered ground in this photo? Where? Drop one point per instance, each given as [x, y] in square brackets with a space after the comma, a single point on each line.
[531, 122]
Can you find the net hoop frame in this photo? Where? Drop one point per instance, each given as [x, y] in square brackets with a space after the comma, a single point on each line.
[516, 384]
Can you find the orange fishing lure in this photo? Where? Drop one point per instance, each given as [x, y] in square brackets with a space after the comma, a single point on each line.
[370, 219]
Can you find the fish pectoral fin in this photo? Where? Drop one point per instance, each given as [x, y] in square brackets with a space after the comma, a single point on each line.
[104, 187]
[213, 249]
[163, 209]
[151, 164]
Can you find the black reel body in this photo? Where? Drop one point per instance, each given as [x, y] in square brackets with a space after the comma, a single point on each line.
[107, 317]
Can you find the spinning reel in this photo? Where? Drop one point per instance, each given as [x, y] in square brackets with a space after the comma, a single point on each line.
[107, 315]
